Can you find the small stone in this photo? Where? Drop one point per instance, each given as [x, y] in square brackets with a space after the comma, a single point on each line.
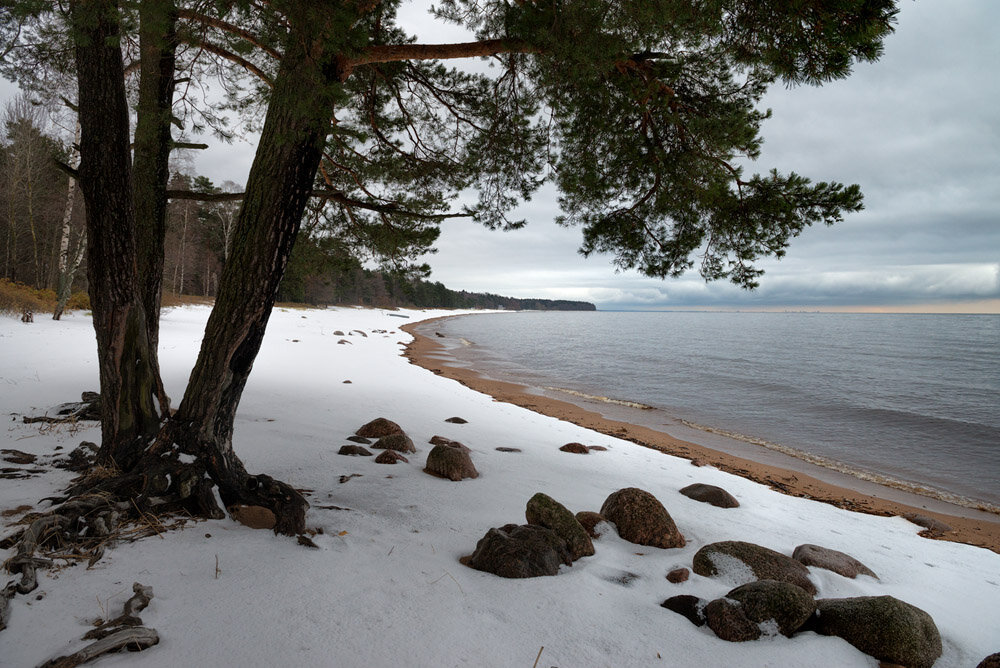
[359, 439]
[710, 494]
[390, 457]
[506, 449]
[589, 521]
[457, 420]
[354, 451]
[831, 560]
[678, 575]
[255, 517]
[597, 448]
[933, 528]
[576, 448]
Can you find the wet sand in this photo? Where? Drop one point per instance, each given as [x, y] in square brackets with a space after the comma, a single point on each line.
[796, 479]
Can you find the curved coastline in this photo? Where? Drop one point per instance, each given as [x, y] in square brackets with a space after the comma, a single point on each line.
[792, 477]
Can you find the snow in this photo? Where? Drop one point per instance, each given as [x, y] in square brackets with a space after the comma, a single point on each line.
[385, 587]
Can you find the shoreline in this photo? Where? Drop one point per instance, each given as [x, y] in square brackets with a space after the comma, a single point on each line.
[977, 528]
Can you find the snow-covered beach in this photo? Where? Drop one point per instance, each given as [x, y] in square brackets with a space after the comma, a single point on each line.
[385, 587]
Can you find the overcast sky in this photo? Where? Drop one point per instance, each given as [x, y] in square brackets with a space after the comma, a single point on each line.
[919, 131]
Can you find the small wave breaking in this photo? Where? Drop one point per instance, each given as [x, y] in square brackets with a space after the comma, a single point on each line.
[861, 474]
[604, 400]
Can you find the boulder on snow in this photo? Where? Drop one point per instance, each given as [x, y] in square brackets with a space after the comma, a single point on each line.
[524, 551]
[354, 451]
[678, 575]
[457, 420]
[450, 460]
[576, 448]
[589, 521]
[545, 511]
[992, 661]
[932, 528]
[359, 439]
[881, 626]
[378, 428]
[441, 440]
[831, 560]
[710, 494]
[640, 518]
[687, 605]
[751, 610]
[390, 457]
[398, 441]
[745, 562]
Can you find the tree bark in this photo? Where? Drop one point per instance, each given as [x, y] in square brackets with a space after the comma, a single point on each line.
[278, 187]
[150, 168]
[67, 268]
[128, 379]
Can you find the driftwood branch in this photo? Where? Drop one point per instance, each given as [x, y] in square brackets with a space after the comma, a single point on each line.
[123, 632]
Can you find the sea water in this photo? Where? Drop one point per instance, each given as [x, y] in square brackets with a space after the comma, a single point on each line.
[907, 399]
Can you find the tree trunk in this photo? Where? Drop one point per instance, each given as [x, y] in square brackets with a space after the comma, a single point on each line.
[67, 269]
[128, 378]
[278, 187]
[150, 169]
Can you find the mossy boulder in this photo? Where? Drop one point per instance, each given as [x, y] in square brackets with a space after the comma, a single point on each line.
[743, 562]
[783, 606]
[884, 627]
[640, 518]
[545, 511]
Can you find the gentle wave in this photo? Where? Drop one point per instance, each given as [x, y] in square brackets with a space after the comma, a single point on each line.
[605, 400]
[841, 467]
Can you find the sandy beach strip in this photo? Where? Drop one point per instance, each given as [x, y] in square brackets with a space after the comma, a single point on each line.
[974, 528]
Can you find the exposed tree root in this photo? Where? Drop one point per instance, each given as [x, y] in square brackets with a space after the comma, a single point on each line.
[123, 632]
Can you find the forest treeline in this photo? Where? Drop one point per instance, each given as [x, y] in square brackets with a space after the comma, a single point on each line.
[43, 237]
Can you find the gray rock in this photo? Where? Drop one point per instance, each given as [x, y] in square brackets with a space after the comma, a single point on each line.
[831, 560]
[884, 627]
[398, 441]
[524, 551]
[545, 511]
[710, 494]
[640, 518]
[746, 562]
[450, 460]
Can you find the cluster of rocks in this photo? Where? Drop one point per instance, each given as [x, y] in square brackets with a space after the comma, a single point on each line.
[447, 459]
[552, 537]
[776, 596]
